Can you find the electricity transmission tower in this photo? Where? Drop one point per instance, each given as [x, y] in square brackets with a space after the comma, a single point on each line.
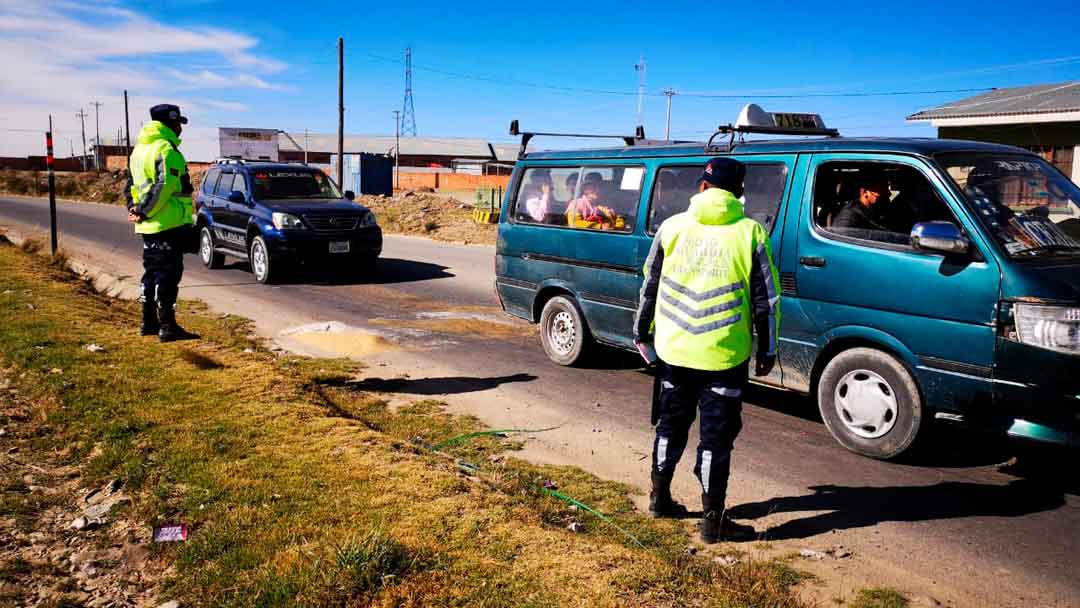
[408, 114]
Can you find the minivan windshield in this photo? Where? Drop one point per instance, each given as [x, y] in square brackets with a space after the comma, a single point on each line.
[1026, 203]
[292, 183]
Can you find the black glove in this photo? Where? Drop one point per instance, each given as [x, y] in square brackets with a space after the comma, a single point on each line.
[186, 188]
[763, 364]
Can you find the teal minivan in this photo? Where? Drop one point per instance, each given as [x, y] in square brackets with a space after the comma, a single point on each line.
[958, 299]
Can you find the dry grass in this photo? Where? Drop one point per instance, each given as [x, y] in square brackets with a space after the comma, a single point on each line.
[302, 489]
[430, 215]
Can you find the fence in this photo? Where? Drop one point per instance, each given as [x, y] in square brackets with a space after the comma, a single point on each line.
[451, 181]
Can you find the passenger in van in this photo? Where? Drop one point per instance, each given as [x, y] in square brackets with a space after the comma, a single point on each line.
[571, 185]
[866, 211]
[586, 211]
[540, 201]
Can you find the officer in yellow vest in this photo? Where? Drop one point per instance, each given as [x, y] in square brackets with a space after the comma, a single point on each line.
[709, 281]
[159, 204]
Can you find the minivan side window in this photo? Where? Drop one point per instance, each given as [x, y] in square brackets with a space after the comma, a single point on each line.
[590, 198]
[875, 201]
[210, 180]
[764, 191]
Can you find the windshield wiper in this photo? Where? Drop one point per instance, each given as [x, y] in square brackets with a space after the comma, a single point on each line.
[1050, 249]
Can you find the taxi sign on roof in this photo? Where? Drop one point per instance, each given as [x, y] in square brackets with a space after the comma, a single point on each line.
[753, 116]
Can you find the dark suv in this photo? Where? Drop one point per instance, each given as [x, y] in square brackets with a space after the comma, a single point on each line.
[277, 215]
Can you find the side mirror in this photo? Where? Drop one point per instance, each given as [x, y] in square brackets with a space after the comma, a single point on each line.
[236, 196]
[939, 237]
[349, 194]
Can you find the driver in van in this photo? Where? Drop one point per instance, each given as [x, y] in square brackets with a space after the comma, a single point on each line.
[866, 211]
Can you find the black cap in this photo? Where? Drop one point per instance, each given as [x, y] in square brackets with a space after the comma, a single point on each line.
[167, 113]
[726, 173]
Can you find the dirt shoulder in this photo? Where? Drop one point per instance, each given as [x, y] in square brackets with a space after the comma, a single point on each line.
[431, 215]
[297, 485]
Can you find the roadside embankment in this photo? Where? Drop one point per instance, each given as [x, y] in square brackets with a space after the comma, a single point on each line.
[295, 484]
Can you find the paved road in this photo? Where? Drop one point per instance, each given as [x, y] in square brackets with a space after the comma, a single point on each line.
[952, 522]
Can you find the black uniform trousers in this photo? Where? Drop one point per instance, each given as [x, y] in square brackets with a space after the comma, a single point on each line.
[163, 265]
[718, 394]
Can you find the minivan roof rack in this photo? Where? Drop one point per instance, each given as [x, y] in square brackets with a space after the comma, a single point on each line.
[630, 140]
[753, 119]
[733, 130]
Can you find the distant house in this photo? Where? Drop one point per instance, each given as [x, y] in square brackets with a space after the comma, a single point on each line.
[1042, 118]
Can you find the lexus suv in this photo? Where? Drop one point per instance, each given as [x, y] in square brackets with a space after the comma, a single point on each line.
[279, 216]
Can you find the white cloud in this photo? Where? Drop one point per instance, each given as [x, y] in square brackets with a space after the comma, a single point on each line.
[59, 56]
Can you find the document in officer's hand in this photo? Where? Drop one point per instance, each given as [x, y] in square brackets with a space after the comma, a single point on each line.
[648, 353]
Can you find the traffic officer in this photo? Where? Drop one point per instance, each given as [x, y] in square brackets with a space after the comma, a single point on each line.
[159, 204]
[708, 275]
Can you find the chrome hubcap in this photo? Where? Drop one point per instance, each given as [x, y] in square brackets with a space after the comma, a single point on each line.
[562, 333]
[207, 247]
[866, 404]
[258, 259]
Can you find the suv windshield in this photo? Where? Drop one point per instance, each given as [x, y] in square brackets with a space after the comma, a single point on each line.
[1027, 204]
[291, 183]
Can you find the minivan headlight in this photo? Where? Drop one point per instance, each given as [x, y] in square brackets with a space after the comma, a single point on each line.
[1055, 328]
[285, 220]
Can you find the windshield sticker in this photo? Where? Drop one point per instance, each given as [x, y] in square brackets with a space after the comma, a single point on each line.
[1018, 166]
[289, 174]
[1044, 232]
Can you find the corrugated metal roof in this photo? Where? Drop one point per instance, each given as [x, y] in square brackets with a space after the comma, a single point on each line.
[384, 144]
[1035, 99]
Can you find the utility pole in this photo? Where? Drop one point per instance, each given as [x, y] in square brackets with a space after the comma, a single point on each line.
[397, 147]
[341, 111]
[305, 145]
[127, 126]
[667, 130]
[82, 118]
[97, 133]
[640, 68]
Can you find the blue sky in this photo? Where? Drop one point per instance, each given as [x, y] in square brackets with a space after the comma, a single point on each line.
[273, 64]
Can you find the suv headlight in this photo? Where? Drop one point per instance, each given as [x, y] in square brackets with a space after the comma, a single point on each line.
[286, 221]
[1056, 328]
[368, 219]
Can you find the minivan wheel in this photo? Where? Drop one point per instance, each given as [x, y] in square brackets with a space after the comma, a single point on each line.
[210, 258]
[870, 403]
[563, 332]
[259, 257]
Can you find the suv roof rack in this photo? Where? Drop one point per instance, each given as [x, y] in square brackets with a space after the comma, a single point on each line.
[637, 138]
[229, 160]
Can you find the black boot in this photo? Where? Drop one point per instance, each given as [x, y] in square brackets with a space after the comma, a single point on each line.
[661, 504]
[170, 330]
[717, 526]
[150, 324]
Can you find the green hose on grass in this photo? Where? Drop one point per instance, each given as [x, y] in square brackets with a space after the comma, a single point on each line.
[471, 469]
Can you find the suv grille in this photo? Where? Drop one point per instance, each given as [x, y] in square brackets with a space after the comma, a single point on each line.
[332, 223]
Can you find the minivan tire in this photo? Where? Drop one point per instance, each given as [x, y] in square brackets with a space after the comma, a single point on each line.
[870, 403]
[210, 258]
[563, 332]
[262, 264]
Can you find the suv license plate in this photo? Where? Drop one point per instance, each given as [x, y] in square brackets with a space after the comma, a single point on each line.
[339, 247]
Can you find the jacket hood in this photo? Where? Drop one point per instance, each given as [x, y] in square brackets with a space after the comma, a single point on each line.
[715, 206]
[155, 130]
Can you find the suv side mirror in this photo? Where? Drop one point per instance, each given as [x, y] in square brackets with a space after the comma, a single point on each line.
[939, 237]
[349, 194]
[236, 196]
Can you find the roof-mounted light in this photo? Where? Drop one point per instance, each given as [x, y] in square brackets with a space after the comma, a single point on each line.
[753, 119]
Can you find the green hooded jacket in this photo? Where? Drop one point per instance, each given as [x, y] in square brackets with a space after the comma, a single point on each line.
[709, 281]
[159, 189]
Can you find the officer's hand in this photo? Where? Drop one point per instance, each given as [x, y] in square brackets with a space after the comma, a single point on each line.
[133, 217]
[764, 364]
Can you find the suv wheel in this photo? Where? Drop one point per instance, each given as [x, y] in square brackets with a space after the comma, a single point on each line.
[870, 403]
[210, 258]
[563, 332]
[259, 257]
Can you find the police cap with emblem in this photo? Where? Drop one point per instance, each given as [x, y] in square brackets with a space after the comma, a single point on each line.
[167, 113]
[726, 173]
